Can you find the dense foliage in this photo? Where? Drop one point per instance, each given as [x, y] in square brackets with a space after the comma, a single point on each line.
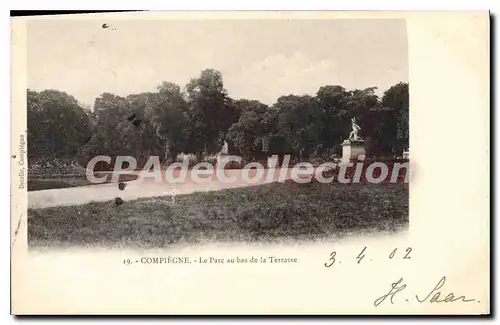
[198, 118]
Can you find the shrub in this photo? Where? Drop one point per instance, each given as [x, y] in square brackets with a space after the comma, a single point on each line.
[54, 166]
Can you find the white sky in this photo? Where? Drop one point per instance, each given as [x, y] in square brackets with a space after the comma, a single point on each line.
[259, 59]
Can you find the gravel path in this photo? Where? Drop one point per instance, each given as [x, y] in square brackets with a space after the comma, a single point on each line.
[145, 188]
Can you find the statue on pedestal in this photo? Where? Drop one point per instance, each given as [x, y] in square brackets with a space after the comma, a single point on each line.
[354, 147]
[225, 148]
[355, 129]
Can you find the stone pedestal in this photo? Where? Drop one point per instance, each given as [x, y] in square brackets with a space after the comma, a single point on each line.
[351, 150]
[272, 162]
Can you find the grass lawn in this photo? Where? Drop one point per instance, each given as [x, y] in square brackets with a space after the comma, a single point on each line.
[38, 183]
[271, 213]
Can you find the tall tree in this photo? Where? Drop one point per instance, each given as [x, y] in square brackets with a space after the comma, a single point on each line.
[168, 114]
[57, 124]
[108, 138]
[210, 110]
[252, 130]
[397, 97]
[333, 99]
[300, 122]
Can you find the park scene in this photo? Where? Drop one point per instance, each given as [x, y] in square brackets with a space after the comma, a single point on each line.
[201, 121]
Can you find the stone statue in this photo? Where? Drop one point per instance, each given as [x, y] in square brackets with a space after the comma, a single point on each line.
[354, 147]
[355, 129]
[225, 149]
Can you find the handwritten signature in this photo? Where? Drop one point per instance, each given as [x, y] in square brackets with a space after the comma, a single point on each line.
[434, 296]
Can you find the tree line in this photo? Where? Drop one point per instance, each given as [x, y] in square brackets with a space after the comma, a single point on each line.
[198, 118]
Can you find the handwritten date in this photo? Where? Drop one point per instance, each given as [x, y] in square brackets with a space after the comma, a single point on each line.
[406, 255]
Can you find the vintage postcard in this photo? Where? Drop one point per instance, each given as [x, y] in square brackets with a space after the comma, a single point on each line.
[251, 163]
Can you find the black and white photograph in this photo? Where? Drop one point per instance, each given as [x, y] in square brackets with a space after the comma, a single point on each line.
[215, 130]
